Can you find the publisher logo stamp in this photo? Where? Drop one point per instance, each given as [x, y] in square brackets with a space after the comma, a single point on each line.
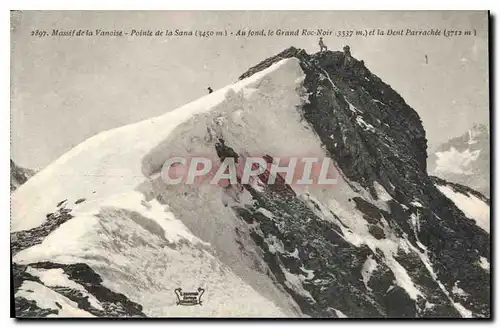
[189, 298]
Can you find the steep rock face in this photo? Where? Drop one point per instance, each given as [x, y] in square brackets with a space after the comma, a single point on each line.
[346, 104]
[375, 138]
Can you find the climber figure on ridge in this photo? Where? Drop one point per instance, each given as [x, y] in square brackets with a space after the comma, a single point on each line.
[322, 45]
[347, 55]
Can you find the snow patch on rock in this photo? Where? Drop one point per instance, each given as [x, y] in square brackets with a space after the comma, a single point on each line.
[473, 207]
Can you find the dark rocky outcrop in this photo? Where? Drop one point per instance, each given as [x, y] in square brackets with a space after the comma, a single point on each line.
[113, 304]
[460, 188]
[23, 239]
[374, 137]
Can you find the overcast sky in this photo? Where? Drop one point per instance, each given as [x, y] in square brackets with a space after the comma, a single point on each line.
[65, 90]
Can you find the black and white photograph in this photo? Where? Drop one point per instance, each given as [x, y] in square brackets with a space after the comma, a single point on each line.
[250, 164]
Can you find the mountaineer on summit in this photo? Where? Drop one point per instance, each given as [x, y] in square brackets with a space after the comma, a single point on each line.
[322, 45]
[210, 90]
[347, 55]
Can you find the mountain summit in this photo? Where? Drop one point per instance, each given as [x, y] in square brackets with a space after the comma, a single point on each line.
[99, 232]
[465, 159]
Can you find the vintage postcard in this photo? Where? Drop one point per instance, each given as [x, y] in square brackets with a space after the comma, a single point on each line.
[250, 164]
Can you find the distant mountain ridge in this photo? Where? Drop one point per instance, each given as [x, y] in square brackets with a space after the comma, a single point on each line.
[19, 175]
[464, 159]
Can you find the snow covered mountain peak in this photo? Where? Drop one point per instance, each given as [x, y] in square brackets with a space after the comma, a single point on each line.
[384, 242]
[465, 159]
